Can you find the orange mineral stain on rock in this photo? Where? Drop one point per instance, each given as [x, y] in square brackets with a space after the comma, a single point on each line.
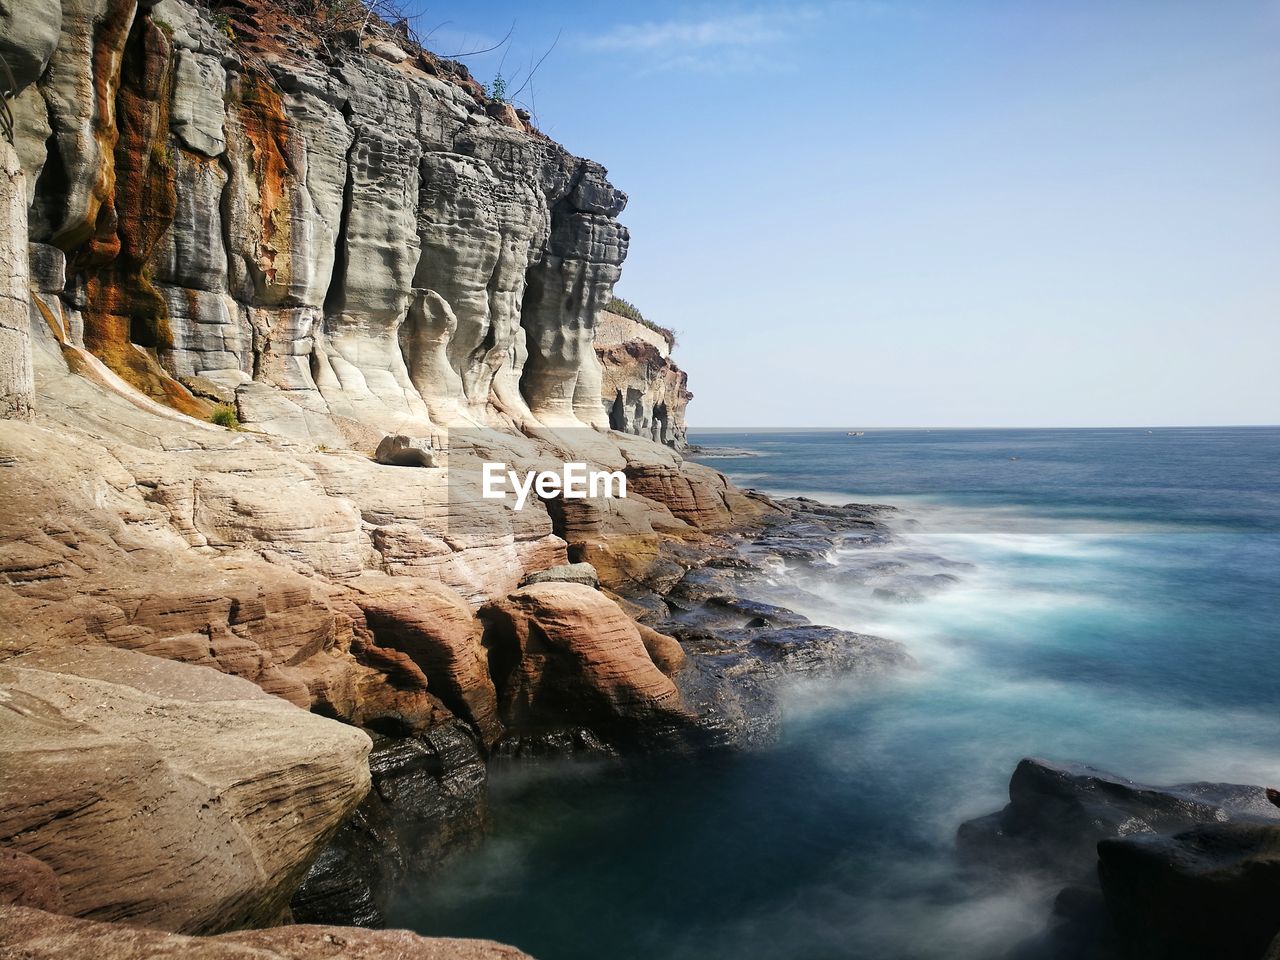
[266, 127]
[126, 318]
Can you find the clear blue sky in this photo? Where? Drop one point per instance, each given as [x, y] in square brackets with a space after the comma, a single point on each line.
[933, 213]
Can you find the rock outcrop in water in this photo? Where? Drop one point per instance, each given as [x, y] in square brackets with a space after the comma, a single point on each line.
[327, 244]
[565, 649]
[1187, 871]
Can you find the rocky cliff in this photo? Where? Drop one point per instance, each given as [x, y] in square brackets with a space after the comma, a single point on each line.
[643, 391]
[334, 238]
[223, 208]
[338, 239]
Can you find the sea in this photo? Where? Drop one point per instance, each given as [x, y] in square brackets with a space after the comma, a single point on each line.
[1110, 597]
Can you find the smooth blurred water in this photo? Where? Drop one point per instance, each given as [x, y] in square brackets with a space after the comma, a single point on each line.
[1118, 602]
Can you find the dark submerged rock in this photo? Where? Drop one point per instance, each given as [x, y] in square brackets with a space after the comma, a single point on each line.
[732, 679]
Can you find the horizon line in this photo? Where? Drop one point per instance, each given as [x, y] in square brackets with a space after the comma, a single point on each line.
[1139, 426]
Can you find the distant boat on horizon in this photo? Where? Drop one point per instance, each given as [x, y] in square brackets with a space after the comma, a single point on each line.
[856, 433]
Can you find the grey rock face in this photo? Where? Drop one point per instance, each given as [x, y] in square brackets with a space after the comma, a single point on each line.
[566, 292]
[479, 233]
[583, 573]
[197, 118]
[82, 74]
[29, 31]
[15, 341]
[354, 233]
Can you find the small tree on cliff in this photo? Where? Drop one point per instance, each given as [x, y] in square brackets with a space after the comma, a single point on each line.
[497, 91]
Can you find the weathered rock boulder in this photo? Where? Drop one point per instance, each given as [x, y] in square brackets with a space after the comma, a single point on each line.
[401, 451]
[36, 935]
[563, 654]
[436, 629]
[665, 651]
[28, 882]
[583, 573]
[211, 796]
[698, 495]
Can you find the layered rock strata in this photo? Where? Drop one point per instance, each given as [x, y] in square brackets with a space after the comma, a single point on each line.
[239, 208]
[643, 391]
[328, 241]
[102, 745]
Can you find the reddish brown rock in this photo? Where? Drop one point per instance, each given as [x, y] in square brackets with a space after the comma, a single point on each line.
[435, 629]
[665, 652]
[28, 882]
[701, 500]
[36, 935]
[564, 654]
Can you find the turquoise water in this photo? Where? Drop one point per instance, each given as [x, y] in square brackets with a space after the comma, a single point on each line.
[1117, 602]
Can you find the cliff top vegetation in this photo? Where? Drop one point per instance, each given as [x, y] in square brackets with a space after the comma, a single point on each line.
[625, 308]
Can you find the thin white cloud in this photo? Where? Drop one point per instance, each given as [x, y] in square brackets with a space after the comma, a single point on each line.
[726, 40]
[723, 30]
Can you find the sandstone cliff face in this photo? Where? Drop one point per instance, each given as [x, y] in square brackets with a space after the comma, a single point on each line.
[355, 232]
[341, 246]
[643, 391]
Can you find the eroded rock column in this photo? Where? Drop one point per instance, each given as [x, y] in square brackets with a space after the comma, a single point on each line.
[15, 340]
[28, 36]
[567, 289]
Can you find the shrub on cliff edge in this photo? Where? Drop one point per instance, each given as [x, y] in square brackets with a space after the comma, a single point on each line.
[625, 308]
